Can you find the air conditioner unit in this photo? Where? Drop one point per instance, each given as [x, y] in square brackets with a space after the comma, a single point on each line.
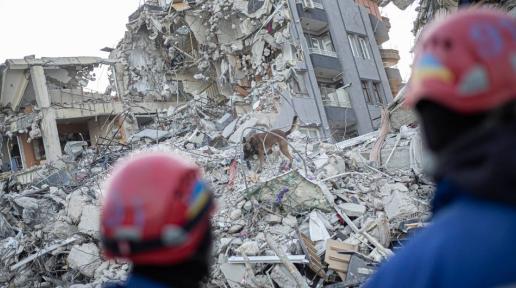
[308, 4]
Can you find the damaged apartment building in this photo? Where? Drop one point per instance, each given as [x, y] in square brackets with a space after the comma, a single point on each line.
[238, 63]
[271, 59]
[47, 109]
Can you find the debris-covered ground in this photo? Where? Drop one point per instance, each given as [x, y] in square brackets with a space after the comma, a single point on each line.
[333, 216]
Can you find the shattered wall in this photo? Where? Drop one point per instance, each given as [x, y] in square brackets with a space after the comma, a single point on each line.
[230, 53]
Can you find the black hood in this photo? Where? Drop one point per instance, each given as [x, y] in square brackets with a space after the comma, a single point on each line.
[485, 165]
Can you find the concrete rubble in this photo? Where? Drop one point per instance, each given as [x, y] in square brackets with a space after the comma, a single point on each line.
[225, 64]
[380, 201]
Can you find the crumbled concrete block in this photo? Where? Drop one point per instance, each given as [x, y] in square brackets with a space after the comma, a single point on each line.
[352, 209]
[290, 221]
[242, 130]
[248, 206]
[235, 214]
[237, 227]
[398, 204]
[27, 202]
[281, 230]
[282, 277]
[75, 206]
[223, 243]
[90, 220]
[84, 258]
[273, 219]
[387, 189]
[224, 121]
[234, 274]
[249, 248]
[230, 128]
[61, 230]
[100, 269]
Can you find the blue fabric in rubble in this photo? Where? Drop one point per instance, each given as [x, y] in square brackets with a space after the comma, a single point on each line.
[470, 243]
[135, 281]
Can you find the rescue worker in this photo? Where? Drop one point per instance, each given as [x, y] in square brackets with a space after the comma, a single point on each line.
[463, 88]
[156, 214]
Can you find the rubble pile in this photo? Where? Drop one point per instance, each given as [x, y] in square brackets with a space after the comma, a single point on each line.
[329, 219]
[219, 53]
[49, 228]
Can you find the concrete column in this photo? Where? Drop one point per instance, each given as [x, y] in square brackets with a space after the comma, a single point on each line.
[48, 123]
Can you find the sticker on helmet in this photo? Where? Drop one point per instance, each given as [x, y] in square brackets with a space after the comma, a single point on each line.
[429, 67]
[487, 38]
[475, 81]
[198, 200]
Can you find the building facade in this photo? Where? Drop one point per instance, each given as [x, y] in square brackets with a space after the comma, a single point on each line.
[346, 77]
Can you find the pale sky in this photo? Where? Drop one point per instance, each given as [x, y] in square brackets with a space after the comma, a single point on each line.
[401, 37]
[51, 28]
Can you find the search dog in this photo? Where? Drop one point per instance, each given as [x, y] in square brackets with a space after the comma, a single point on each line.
[261, 143]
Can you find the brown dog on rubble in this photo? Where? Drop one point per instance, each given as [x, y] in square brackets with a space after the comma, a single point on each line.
[260, 143]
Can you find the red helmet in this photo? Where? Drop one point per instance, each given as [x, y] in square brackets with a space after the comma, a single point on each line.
[156, 210]
[466, 62]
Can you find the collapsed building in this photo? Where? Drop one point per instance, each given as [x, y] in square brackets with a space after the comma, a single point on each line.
[320, 60]
[259, 62]
[47, 107]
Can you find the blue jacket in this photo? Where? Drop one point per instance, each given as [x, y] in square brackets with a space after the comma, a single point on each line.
[470, 243]
[135, 281]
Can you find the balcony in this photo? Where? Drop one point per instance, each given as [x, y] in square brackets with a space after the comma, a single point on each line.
[340, 117]
[387, 22]
[335, 98]
[380, 29]
[326, 64]
[395, 80]
[390, 57]
[322, 52]
[313, 19]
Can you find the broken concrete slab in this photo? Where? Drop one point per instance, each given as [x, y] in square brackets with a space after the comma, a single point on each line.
[282, 277]
[74, 149]
[301, 194]
[234, 274]
[230, 128]
[84, 258]
[90, 221]
[75, 205]
[249, 248]
[290, 221]
[235, 214]
[151, 134]
[398, 204]
[317, 228]
[273, 219]
[352, 209]
[243, 130]
[61, 229]
[224, 121]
